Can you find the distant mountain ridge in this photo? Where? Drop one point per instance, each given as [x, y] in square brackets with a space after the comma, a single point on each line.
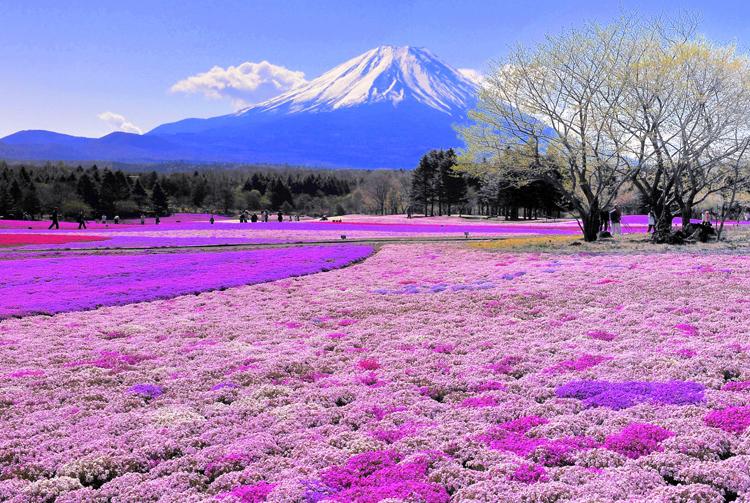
[384, 108]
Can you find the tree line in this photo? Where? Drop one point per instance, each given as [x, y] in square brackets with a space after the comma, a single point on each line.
[434, 187]
[34, 190]
[438, 186]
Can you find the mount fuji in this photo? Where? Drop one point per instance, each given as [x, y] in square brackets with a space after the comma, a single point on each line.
[383, 109]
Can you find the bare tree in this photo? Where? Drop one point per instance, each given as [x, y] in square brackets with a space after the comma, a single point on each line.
[640, 100]
[553, 107]
[686, 104]
[378, 185]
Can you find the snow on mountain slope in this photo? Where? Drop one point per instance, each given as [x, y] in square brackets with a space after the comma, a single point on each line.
[386, 74]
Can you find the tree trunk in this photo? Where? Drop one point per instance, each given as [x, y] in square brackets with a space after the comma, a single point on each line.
[591, 225]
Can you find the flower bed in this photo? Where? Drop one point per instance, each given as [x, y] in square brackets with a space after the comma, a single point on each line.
[15, 240]
[347, 386]
[54, 285]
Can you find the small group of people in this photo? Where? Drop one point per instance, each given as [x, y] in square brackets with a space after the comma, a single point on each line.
[614, 217]
[246, 217]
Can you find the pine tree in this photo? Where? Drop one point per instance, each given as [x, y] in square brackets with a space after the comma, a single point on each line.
[159, 200]
[88, 191]
[423, 180]
[453, 188]
[139, 193]
[4, 200]
[31, 203]
[16, 199]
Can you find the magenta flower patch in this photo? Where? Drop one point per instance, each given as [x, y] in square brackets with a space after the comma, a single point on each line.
[373, 476]
[637, 440]
[731, 419]
[601, 335]
[529, 474]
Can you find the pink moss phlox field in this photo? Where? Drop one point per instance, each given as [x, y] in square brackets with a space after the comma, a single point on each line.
[54, 285]
[315, 389]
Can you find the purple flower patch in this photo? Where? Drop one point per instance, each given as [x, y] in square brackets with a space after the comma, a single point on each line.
[148, 391]
[619, 396]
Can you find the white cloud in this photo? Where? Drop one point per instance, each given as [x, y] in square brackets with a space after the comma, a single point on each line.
[119, 123]
[245, 85]
[475, 76]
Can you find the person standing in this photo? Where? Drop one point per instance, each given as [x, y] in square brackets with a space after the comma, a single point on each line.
[281, 216]
[104, 219]
[212, 219]
[55, 222]
[117, 219]
[143, 219]
[615, 216]
[651, 221]
[408, 211]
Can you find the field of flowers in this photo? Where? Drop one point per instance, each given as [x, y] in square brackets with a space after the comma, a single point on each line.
[196, 231]
[429, 372]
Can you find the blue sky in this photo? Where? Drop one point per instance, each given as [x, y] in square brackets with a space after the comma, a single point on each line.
[88, 68]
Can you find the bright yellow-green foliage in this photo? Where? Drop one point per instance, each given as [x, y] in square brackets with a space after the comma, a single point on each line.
[526, 243]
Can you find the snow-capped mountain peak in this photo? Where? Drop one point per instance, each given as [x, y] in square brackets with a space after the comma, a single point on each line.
[387, 74]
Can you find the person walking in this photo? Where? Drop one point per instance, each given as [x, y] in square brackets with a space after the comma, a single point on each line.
[651, 221]
[81, 220]
[604, 220]
[615, 216]
[408, 211]
[55, 222]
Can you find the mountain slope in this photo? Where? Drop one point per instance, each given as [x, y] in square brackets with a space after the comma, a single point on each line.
[382, 109]
[397, 76]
